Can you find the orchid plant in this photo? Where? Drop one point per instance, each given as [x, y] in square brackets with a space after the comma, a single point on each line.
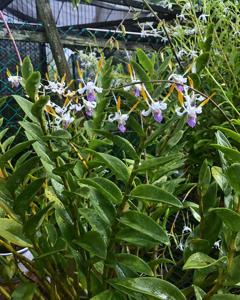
[100, 185]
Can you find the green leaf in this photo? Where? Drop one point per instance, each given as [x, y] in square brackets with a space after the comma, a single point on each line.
[38, 106]
[204, 178]
[233, 176]
[220, 178]
[149, 192]
[27, 67]
[229, 217]
[12, 231]
[135, 220]
[26, 106]
[200, 261]
[3, 132]
[145, 61]
[142, 76]
[24, 291]
[157, 162]
[32, 225]
[233, 271]
[32, 85]
[201, 62]
[231, 154]
[95, 221]
[134, 263]
[153, 287]
[93, 242]
[14, 151]
[109, 295]
[24, 199]
[230, 133]
[18, 176]
[136, 238]
[225, 297]
[106, 187]
[122, 143]
[113, 163]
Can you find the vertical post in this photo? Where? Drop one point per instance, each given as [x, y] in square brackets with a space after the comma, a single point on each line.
[52, 34]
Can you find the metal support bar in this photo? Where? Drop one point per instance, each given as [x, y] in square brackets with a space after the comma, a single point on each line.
[71, 41]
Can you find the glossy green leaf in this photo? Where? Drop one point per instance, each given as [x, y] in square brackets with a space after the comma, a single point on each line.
[120, 142]
[106, 187]
[135, 237]
[26, 68]
[204, 178]
[93, 242]
[113, 163]
[202, 61]
[153, 287]
[14, 151]
[26, 106]
[229, 217]
[109, 295]
[38, 106]
[24, 199]
[142, 75]
[24, 291]
[153, 193]
[230, 133]
[135, 220]
[200, 261]
[154, 163]
[32, 85]
[145, 61]
[225, 297]
[233, 176]
[231, 154]
[220, 178]
[32, 225]
[134, 263]
[12, 231]
[18, 176]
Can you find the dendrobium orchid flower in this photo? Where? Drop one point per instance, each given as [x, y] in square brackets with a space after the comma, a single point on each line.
[121, 119]
[156, 109]
[89, 107]
[179, 80]
[137, 87]
[14, 79]
[91, 89]
[56, 87]
[189, 107]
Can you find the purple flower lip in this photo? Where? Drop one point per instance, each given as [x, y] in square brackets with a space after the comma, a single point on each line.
[180, 87]
[91, 96]
[137, 92]
[158, 117]
[89, 112]
[121, 128]
[192, 121]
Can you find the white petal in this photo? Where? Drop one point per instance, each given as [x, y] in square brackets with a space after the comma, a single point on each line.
[146, 113]
[179, 112]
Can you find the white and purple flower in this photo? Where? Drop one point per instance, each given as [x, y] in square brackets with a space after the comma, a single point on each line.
[179, 80]
[91, 89]
[121, 120]
[155, 109]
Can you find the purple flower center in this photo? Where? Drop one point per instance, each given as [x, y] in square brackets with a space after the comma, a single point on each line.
[180, 88]
[137, 92]
[89, 112]
[121, 128]
[91, 97]
[192, 121]
[158, 117]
